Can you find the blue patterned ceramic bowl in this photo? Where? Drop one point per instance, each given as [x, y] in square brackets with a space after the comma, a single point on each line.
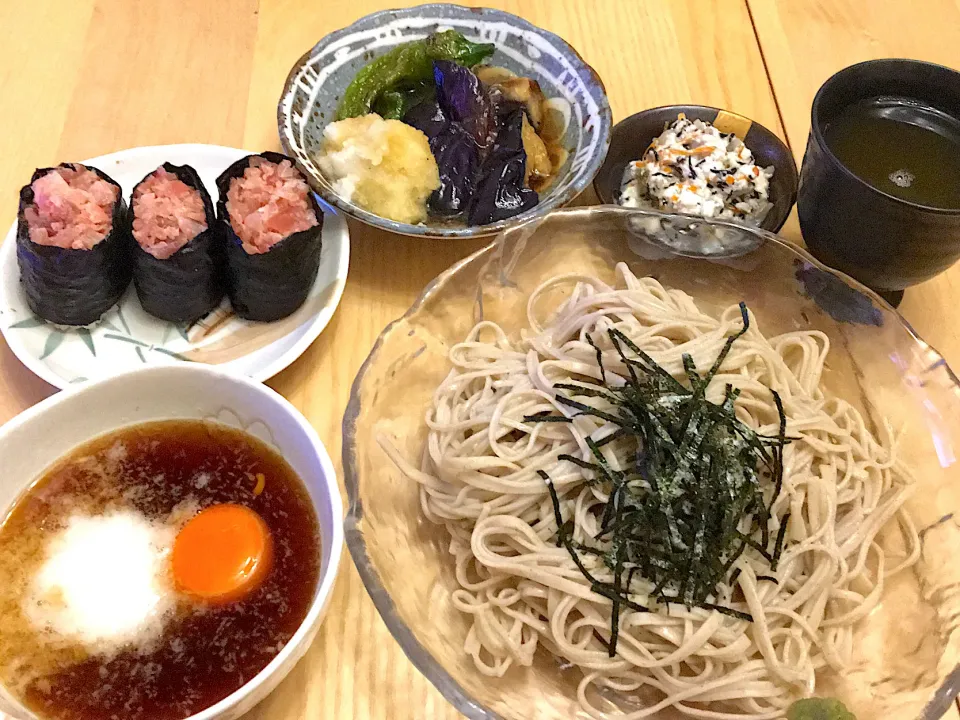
[318, 79]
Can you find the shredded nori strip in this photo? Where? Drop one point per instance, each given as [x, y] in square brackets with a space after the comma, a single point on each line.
[538, 417]
[739, 614]
[578, 462]
[778, 547]
[599, 353]
[556, 505]
[613, 437]
[699, 493]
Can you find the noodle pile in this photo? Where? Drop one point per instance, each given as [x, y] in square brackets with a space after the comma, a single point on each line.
[481, 478]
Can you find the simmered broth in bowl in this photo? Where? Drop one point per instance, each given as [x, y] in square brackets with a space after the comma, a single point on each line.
[153, 571]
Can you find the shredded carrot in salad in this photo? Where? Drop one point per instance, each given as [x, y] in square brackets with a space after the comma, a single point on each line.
[695, 169]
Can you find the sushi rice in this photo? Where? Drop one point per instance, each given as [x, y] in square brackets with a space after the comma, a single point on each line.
[694, 169]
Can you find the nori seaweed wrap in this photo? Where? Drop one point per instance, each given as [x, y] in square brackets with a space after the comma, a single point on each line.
[73, 286]
[269, 273]
[187, 284]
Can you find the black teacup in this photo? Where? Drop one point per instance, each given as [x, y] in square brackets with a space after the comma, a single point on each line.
[863, 228]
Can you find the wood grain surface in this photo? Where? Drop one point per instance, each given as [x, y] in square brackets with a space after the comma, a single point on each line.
[805, 41]
[85, 77]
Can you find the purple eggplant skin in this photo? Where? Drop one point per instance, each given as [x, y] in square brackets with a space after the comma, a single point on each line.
[500, 192]
[458, 159]
[478, 145]
[463, 99]
[428, 118]
[456, 153]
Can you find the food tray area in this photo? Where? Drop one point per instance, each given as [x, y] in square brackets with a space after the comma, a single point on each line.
[99, 76]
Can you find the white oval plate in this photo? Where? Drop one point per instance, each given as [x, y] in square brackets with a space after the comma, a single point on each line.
[127, 337]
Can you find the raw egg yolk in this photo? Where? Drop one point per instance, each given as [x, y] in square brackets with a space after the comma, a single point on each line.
[222, 554]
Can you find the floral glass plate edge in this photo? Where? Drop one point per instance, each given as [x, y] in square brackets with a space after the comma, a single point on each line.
[126, 336]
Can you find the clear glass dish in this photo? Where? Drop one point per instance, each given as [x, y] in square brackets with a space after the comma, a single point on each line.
[906, 660]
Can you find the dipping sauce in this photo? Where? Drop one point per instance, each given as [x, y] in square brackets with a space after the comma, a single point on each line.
[901, 148]
[152, 572]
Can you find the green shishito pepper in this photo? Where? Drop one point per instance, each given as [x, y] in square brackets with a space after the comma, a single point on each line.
[819, 709]
[393, 104]
[408, 64]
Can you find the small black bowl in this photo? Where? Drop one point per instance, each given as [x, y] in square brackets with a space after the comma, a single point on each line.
[885, 242]
[631, 137]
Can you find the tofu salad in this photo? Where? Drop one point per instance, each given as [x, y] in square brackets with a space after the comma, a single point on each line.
[694, 169]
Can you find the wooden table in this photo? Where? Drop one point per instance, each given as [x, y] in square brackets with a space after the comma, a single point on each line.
[803, 42]
[85, 77]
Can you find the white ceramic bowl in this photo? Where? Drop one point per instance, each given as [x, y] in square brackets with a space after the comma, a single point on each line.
[39, 436]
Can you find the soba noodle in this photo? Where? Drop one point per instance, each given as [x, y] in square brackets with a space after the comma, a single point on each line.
[479, 479]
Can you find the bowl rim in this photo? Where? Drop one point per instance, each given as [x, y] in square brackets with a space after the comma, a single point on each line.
[421, 658]
[816, 131]
[294, 649]
[783, 147]
[579, 184]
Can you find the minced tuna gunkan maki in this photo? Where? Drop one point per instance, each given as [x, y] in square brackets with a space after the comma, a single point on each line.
[272, 225]
[72, 240]
[177, 253]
